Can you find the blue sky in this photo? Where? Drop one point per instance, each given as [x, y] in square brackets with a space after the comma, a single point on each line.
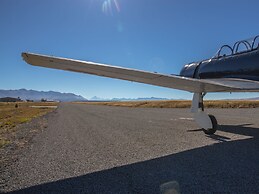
[151, 35]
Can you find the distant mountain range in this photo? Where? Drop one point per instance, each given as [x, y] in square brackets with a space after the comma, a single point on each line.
[95, 98]
[38, 95]
[257, 98]
[69, 97]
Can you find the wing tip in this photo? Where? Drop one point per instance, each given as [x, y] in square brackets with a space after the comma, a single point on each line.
[25, 56]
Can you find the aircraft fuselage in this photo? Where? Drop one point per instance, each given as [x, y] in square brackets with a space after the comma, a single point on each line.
[243, 65]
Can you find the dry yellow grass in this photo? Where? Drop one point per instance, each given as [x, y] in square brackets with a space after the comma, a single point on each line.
[182, 104]
[10, 116]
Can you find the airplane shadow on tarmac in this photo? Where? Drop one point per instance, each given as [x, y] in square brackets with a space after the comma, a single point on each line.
[224, 167]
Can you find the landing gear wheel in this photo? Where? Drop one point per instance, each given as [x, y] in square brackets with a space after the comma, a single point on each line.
[214, 126]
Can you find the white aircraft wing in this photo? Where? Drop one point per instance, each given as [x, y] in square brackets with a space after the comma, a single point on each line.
[169, 81]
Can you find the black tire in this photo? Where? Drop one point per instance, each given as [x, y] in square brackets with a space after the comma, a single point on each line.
[214, 126]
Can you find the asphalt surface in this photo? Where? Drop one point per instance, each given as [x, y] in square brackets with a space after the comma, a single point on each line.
[102, 149]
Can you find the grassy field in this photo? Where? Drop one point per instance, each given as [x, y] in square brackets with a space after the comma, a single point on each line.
[182, 104]
[13, 114]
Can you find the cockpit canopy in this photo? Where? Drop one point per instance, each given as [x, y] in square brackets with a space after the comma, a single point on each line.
[239, 47]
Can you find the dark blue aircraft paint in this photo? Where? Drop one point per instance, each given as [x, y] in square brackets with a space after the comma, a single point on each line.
[243, 65]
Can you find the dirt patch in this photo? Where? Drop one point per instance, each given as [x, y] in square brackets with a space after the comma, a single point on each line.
[21, 138]
[13, 114]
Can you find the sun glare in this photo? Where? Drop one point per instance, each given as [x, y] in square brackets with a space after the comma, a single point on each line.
[110, 6]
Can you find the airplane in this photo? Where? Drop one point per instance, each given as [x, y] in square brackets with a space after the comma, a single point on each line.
[237, 71]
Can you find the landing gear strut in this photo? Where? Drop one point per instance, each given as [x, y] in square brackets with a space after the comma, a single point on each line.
[208, 123]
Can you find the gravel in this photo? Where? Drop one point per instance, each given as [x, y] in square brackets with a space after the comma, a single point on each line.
[102, 149]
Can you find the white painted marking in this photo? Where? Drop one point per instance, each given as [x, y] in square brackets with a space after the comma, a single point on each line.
[182, 118]
[43, 106]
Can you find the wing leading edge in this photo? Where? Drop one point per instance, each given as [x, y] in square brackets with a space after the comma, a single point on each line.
[169, 81]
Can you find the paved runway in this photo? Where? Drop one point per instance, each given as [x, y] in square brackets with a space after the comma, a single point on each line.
[102, 149]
